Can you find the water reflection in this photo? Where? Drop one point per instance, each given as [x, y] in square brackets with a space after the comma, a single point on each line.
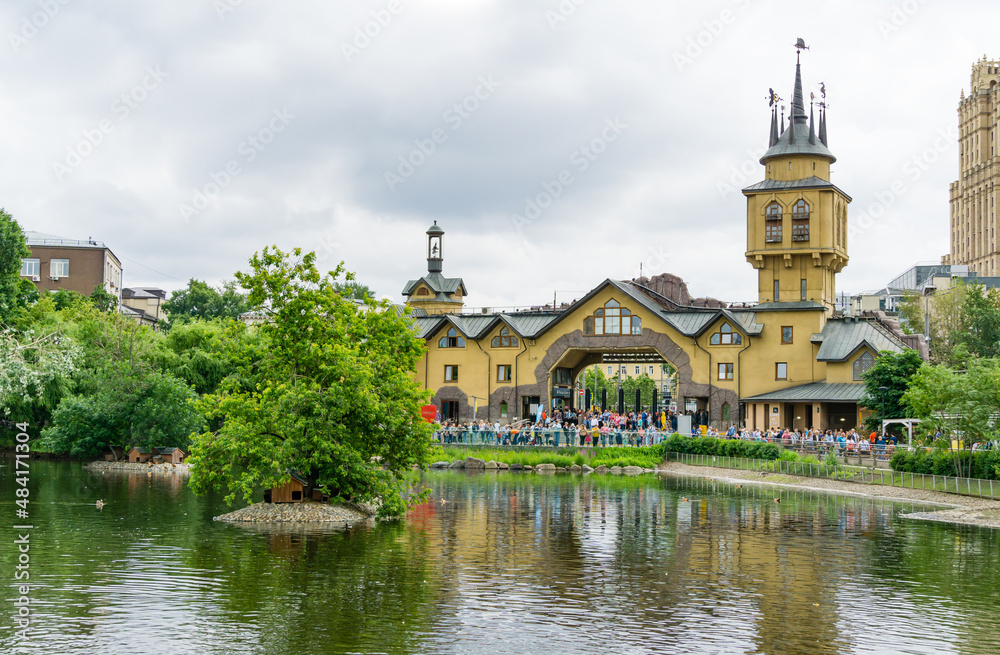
[505, 563]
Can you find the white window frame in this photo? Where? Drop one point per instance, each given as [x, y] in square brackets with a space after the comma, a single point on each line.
[59, 268]
[28, 264]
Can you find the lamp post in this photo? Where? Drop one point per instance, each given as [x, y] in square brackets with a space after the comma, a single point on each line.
[882, 391]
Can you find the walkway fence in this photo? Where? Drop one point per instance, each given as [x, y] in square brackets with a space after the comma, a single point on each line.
[877, 476]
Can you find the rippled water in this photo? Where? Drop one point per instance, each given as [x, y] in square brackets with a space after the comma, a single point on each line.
[507, 563]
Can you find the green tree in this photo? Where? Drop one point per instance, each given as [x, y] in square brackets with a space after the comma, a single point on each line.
[331, 393]
[199, 300]
[12, 249]
[121, 396]
[964, 405]
[103, 300]
[353, 290]
[36, 367]
[125, 406]
[980, 322]
[893, 371]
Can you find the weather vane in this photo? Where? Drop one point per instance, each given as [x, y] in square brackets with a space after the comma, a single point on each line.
[800, 45]
[772, 98]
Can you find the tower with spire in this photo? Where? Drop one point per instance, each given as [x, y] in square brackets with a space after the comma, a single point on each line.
[796, 217]
[434, 293]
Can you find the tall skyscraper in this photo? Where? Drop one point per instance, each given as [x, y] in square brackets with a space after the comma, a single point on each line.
[973, 197]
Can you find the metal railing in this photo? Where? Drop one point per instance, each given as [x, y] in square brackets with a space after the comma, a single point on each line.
[874, 476]
[555, 438]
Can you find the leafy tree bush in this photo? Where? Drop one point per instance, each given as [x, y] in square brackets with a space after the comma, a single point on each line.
[199, 300]
[721, 447]
[12, 249]
[126, 407]
[328, 391]
[940, 461]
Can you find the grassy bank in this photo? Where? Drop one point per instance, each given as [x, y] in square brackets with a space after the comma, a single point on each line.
[646, 456]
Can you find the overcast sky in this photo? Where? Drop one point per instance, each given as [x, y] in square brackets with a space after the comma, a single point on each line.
[189, 134]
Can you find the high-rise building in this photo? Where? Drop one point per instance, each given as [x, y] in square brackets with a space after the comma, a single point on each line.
[973, 197]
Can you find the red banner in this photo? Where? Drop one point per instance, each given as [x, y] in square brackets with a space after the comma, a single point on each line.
[429, 412]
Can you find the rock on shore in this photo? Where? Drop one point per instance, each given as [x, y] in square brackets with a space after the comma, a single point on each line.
[304, 512]
[181, 469]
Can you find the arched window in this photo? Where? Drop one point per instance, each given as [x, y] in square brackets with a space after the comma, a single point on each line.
[422, 291]
[726, 337]
[503, 409]
[505, 340]
[725, 412]
[612, 319]
[800, 221]
[863, 364]
[772, 223]
[452, 340]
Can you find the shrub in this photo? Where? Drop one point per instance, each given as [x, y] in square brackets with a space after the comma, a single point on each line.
[985, 465]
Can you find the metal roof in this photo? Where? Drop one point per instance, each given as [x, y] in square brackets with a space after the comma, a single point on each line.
[795, 306]
[689, 322]
[442, 286]
[812, 182]
[815, 392]
[841, 338]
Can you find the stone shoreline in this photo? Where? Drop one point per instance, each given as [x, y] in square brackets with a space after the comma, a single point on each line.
[180, 469]
[305, 512]
[476, 464]
[964, 510]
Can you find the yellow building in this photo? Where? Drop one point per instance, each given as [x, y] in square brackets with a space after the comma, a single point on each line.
[787, 361]
[974, 195]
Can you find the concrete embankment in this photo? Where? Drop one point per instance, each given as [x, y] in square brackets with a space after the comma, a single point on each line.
[957, 509]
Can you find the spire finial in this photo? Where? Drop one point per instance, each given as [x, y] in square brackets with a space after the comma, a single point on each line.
[812, 120]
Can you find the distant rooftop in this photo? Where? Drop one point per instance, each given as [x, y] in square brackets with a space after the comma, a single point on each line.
[42, 239]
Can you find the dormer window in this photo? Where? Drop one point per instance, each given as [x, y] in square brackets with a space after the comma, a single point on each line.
[726, 337]
[800, 221]
[451, 340]
[505, 340]
[772, 223]
[422, 291]
[862, 365]
[612, 319]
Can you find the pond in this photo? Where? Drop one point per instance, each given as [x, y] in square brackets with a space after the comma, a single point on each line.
[500, 563]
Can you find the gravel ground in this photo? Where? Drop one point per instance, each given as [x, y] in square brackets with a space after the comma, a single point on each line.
[304, 512]
[958, 509]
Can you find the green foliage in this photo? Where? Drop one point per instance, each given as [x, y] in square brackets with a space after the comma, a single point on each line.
[893, 371]
[559, 457]
[353, 290]
[648, 457]
[980, 333]
[12, 249]
[199, 300]
[203, 353]
[328, 391]
[938, 461]
[126, 406]
[103, 300]
[831, 460]
[721, 447]
[36, 366]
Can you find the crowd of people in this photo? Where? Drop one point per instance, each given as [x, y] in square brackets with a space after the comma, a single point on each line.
[567, 428]
[595, 428]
